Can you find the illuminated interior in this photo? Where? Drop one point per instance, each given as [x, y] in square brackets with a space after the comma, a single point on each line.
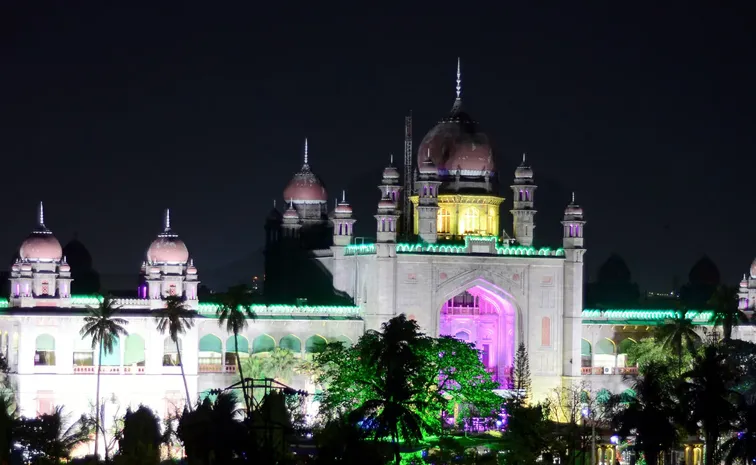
[464, 215]
[483, 318]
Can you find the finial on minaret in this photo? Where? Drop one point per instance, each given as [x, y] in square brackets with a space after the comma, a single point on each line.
[274, 203]
[427, 155]
[391, 159]
[343, 196]
[291, 203]
[41, 215]
[167, 219]
[305, 152]
[459, 79]
[573, 197]
[523, 158]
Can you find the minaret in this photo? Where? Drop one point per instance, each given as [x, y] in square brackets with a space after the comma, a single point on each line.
[523, 211]
[572, 322]
[427, 204]
[291, 223]
[343, 223]
[390, 187]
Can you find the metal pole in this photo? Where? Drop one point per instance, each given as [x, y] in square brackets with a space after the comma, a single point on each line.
[593, 441]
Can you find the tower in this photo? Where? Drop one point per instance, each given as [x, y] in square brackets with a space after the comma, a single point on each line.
[427, 202]
[343, 223]
[41, 273]
[168, 270]
[572, 242]
[523, 211]
[291, 224]
[407, 210]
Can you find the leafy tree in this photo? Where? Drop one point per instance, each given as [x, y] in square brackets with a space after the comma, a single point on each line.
[176, 318]
[213, 432]
[48, 439]
[104, 328]
[234, 309]
[649, 351]
[709, 397]
[527, 435]
[678, 334]
[742, 446]
[650, 414]
[724, 301]
[521, 373]
[141, 438]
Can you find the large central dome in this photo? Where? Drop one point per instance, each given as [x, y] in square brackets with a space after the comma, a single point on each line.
[456, 146]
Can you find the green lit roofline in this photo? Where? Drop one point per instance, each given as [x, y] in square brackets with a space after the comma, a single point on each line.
[420, 247]
[210, 308]
[643, 316]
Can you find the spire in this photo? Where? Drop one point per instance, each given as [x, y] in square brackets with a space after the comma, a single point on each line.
[573, 197]
[343, 196]
[305, 152]
[274, 203]
[167, 220]
[523, 158]
[459, 80]
[391, 159]
[41, 216]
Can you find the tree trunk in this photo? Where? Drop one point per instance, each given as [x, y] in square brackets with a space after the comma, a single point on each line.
[397, 451]
[241, 375]
[97, 406]
[183, 376]
[710, 444]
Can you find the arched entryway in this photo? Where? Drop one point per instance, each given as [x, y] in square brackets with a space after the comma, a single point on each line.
[482, 316]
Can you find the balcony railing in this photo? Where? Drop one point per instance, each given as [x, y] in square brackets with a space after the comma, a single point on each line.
[631, 371]
[210, 368]
[109, 370]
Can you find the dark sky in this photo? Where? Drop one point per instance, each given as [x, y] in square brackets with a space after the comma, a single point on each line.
[109, 114]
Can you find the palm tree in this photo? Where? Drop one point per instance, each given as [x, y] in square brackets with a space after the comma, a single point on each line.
[709, 397]
[726, 312]
[650, 415]
[234, 308]
[176, 318]
[281, 364]
[48, 437]
[677, 334]
[102, 325]
[742, 446]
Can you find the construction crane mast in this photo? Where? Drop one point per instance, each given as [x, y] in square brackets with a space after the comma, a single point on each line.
[407, 226]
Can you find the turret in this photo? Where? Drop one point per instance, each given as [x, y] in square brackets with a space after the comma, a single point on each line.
[427, 204]
[291, 223]
[343, 223]
[523, 210]
[573, 223]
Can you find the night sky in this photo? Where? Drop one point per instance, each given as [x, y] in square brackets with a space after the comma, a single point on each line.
[110, 114]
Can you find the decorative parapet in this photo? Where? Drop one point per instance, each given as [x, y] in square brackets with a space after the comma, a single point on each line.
[643, 316]
[489, 245]
[210, 309]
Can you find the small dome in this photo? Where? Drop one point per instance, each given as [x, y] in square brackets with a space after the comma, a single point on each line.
[573, 210]
[16, 266]
[291, 214]
[191, 270]
[753, 269]
[386, 204]
[744, 281]
[391, 173]
[427, 167]
[343, 209]
[167, 248]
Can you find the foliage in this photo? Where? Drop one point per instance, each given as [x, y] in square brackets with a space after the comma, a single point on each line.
[520, 378]
[678, 335]
[528, 433]
[234, 308]
[48, 438]
[649, 351]
[724, 301]
[343, 442]
[213, 432]
[8, 418]
[176, 318]
[104, 328]
[650, 414]
[709, 396]
[141, 438]
[741, 447]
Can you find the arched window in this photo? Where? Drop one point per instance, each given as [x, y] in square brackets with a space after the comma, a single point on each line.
[134, 353]
[471, 221]
[291, 343]
[231, 349]
[625, 345]
[210, 353]
[443, 223]
[83, 354]
[462, 336]
[263, 343]
[545, 332]
[170, 353]
[605, 347]
[112, 358]
[44, 354]
[315, 344]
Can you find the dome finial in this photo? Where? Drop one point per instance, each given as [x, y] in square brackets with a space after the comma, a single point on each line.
[343, 196]
[41, 215]
[391, 159]
[573, 197]
[459, 79]
[274, 203]
[167, 220]
[305, 152]
[523, 158]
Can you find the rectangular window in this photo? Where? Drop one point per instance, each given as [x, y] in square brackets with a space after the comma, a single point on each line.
[44, 358]
[83, 359]
[546, 332]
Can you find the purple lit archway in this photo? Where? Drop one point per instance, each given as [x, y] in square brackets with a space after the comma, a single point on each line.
[485, 318]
